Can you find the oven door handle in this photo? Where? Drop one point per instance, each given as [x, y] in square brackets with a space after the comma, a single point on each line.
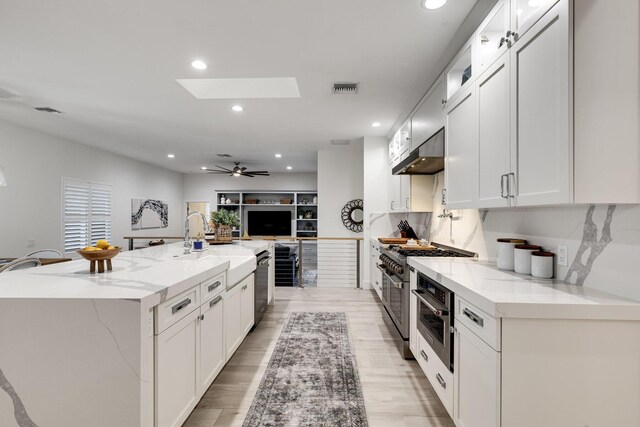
[437, 311]
[398, 285]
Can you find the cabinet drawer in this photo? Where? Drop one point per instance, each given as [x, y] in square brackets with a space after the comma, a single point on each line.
[486, 327]
[170, 311]
[440, 377]
[212, 287]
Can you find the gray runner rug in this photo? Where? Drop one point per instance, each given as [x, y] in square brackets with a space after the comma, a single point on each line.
[312, 378]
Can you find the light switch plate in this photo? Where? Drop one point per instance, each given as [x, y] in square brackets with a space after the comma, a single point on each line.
[563, 255]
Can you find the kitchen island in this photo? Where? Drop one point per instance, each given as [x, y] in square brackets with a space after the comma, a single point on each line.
[526, 351]
[104, 349]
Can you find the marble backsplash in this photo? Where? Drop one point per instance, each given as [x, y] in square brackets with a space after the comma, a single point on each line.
[603, 241]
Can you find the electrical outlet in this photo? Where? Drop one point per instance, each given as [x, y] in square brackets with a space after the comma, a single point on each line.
[563, 255]
[31, 243]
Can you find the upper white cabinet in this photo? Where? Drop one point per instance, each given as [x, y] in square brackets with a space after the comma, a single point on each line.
[525, 13]
[494, 133]
[429, 117]
[542, 161]
[508, 140]
[459, 74]
[410, 193]
[461, 152]
[404, 139]
[492, 38]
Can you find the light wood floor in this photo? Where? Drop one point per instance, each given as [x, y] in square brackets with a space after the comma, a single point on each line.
[396, 392]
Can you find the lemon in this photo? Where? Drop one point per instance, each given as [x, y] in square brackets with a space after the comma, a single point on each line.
[111, 247]
[88, 248]
[97, 249]
[102, 244]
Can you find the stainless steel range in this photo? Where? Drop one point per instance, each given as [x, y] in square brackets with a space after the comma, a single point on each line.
[395, 283]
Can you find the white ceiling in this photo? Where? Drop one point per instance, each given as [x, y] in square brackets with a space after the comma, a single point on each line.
[112, 66]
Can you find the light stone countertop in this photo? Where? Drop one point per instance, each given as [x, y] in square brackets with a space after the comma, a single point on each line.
[149, 275]
[510, 295]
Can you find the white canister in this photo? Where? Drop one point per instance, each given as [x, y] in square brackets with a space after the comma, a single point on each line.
[542, 264]
[506, 246]
[522, 258]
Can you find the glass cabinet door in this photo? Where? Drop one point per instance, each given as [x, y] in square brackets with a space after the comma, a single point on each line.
[492, 39]
[526, 13]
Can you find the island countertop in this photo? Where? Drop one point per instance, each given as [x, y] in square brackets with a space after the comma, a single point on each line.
[147, 275]
[510, 295]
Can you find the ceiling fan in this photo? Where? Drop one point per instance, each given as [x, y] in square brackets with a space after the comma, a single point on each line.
[236, 171]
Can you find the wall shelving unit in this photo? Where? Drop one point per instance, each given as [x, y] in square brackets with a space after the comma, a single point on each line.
[303, 205]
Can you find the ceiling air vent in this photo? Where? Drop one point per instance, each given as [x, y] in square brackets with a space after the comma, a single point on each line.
[48, 110]
[345, 88]
[224, 155]
[340, 142]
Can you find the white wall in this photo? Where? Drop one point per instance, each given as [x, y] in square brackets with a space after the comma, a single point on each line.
[340, 180]
[202, 187]
[34, 164]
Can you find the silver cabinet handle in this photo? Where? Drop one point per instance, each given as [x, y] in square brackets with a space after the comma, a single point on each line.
[441, 380]
[392, 205]
[214, 285]
[512, 34]
[179, 306]
[502, 177]
[511, 193]
[244, 288]
[474, 317]
[201, 317]
[215, 301]
[424, 355]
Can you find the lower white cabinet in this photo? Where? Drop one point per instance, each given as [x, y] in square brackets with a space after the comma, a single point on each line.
[238, 314]
[212, 351]
[176, 371]
[477, 381]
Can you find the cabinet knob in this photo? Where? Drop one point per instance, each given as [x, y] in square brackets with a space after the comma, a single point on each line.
[201, 317]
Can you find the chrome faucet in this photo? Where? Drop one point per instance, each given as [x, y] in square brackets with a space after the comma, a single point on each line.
[187, 242]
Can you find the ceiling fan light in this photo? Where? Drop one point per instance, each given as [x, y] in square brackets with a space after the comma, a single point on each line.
[236, 174]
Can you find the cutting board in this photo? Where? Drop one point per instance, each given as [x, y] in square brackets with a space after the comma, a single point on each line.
[393, 240]
[418, 248]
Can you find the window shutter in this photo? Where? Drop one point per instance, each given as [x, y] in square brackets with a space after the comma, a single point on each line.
[87, 214]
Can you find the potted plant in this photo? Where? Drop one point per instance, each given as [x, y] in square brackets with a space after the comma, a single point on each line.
[224, 221]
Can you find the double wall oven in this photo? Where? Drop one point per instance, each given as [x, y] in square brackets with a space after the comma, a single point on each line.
[396, 288]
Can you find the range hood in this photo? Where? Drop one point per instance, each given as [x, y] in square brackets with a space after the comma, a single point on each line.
[427, 159]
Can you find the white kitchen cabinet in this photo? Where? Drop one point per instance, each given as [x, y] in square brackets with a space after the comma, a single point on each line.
[461, 150]
[177, 371]
[212, 351]
[410, 193]
[460, 73]
[247, 310]
[540, 127]
[272, 275]
[477, 381]
[375, 275]
[494, 134]
[429, 118]
[404, 140]
[392, 151]
[491, 38]
[525, 14]
[238, 314]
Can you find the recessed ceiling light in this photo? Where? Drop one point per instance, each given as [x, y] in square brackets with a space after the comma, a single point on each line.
[433, 4]
[376, 124]
[171, 156]
[289, 168]
[278, 155]
[199, 64]
[237, 108]
[204, 168]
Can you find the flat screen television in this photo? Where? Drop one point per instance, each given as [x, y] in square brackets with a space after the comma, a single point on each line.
[269, 223]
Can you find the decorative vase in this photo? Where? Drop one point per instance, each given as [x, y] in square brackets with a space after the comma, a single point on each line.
[223, 233]
[315, 200]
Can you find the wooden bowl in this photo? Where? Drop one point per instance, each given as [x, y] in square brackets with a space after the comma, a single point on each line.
[99, 258]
